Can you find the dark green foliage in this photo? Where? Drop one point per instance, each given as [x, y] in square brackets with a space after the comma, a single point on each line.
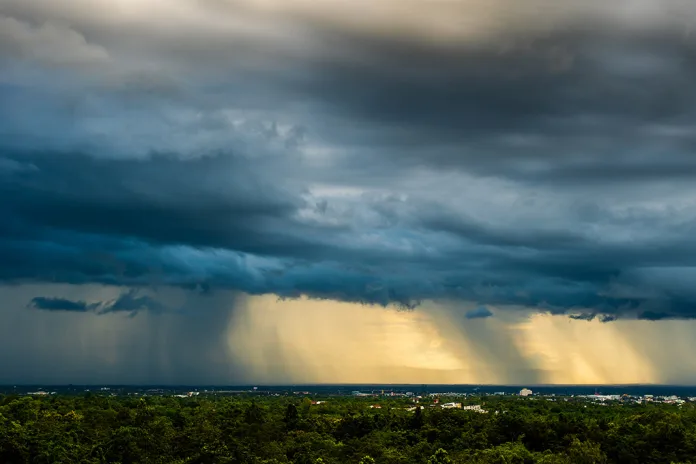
[279, 430]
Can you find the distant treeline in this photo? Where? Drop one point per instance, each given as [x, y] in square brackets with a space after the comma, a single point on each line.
[272, 430]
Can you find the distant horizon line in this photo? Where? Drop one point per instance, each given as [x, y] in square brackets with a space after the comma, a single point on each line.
[252, 385]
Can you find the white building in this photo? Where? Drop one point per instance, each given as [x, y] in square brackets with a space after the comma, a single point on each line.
[475, 408]
[525, 392]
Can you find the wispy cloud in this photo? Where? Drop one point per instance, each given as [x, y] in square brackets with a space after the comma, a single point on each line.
[128, 302]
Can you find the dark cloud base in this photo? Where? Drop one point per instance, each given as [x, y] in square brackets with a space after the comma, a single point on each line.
[73, 219]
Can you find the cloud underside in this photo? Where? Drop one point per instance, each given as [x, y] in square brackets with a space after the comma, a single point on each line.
[540, 158]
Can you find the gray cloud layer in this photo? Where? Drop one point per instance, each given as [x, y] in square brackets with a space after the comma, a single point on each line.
[538, 156]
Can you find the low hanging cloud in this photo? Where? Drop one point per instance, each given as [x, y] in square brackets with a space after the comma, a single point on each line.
[592, 316]
[61, 304]
[479, 313]
[127, 302]
[535, 156]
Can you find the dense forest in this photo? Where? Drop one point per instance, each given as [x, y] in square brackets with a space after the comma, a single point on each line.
[100, 429]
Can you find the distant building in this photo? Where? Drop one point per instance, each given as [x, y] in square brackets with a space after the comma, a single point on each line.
[475, 408]
[525, 392]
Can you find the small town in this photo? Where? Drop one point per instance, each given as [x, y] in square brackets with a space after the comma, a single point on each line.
[468, 401]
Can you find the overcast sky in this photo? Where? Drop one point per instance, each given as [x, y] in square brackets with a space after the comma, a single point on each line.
[499, 160]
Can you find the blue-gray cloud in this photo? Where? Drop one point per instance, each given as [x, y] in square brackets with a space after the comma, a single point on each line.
[479, 313]
[60, 304]
[593, 316]
[547, 167]
[127, 302]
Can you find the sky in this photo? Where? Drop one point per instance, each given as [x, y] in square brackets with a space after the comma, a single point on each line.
[421, 191]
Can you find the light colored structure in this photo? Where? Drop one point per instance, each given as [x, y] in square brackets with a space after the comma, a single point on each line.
[525, 392]
[474, 408]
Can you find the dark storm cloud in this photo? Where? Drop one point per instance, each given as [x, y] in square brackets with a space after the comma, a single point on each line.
[131, 303]
[211, 201]
[653, 316]
[582, 106]
[583, 317]
[60, 304]
[592, 316]
[77, 219]
[547, 167]
[128, 302]
[479, 313]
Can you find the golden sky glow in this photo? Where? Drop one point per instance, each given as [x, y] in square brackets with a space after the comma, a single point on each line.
[324, 341]
[262, 339]
[327, 341]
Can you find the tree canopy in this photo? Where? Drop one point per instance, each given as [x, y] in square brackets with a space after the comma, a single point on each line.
[275, 430]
